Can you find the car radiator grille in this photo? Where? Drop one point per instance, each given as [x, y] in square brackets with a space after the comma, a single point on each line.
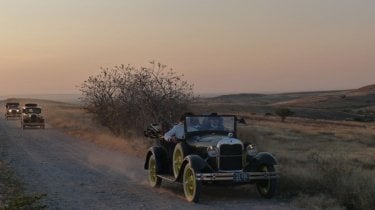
[33, 118]
[230, 157]
[14, 112]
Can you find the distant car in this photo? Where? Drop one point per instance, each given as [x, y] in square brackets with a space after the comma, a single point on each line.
[12, 110]
[32, 117]
[209, 153]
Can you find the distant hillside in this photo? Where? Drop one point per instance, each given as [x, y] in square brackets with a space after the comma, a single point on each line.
[366, 90]
[355, 104]
[68, 98]
[352, 99]
[236, 98]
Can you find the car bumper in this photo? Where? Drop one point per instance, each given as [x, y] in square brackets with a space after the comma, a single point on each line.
[33, 124]
[13, 115]
[237, 176]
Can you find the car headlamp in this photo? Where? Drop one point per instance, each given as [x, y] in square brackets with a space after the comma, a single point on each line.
[251, 150]
[18, 110]
[212, 151]
[9, 110]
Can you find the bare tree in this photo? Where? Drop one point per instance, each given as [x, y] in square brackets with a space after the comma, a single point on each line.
[125, 98]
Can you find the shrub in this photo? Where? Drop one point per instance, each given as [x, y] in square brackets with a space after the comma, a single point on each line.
[283, 112]
[125, 98]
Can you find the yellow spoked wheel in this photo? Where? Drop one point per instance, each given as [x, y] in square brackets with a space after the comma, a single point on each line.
[179, 154]
[153, 179]
[192, 187]
[267, 187]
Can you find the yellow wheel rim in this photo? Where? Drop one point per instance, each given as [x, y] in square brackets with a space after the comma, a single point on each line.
[152, 171]
[177, 162]
[265, 185]
[189, 183]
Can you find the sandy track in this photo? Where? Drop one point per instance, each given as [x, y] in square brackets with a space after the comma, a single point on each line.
[80, 175]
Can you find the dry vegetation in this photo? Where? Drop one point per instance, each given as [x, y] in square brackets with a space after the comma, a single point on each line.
[125, 98]
[12, 195]
[323, 164]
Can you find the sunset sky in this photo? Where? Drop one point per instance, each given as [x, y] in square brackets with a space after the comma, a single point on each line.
[221, 46]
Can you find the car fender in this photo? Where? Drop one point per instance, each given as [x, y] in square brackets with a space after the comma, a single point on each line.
[196, 162]
[160, 157]
[262, 158]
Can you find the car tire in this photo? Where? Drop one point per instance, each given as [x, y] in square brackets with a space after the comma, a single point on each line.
[179, 153]
[192, 186]
[153, 179]
[267, 188]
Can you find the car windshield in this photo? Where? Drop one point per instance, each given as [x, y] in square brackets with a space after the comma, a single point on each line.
[13, 105]
[210, 123]
[33, 111]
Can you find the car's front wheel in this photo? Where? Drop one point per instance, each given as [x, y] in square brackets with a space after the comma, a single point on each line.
[267, 187]
[153, 179]
[192, 186]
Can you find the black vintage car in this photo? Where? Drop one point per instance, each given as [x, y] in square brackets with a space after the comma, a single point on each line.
[209, 153]
[32, 117]
[12, 110]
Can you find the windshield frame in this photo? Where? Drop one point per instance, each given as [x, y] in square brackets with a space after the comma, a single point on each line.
[226, 119]
[35, 110]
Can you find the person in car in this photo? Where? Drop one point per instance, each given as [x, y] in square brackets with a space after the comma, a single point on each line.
[214, 123]
[177, 131]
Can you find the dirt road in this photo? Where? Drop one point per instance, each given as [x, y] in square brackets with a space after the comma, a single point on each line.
[80, 175]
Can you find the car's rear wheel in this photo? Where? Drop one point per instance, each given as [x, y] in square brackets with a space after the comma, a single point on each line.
[192, 187]
[267, 187]
[179, 153]
[153, 179]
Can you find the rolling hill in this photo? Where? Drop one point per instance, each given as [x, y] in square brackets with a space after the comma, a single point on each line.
[357, 104]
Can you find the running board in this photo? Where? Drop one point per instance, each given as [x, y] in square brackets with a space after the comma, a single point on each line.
[167, 177]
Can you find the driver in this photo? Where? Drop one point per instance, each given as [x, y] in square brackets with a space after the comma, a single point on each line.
[177, 132]
[215, 123]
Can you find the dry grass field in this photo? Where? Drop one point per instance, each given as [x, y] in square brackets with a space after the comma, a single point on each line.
[324, 164]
